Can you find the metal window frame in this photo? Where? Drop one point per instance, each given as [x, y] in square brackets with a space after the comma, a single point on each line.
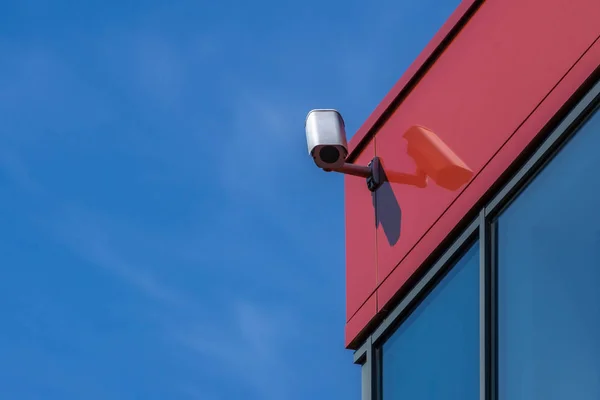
[483, 228]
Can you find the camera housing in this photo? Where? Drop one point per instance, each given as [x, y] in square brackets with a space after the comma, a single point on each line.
[326, 138]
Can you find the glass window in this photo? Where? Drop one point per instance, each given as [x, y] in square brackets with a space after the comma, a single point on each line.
[434, 354]
[549, 279]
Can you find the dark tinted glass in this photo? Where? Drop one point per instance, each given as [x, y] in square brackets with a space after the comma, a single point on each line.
[435, 352]
[549, 279]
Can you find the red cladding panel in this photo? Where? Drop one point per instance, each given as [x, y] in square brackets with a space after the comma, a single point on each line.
[506, 155]
[360, 239]
[485, 98]
[498, 69]
[360, 320]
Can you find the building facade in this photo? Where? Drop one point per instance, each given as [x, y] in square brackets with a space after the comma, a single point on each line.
[489, 290]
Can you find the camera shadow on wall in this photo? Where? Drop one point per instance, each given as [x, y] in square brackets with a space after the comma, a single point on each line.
[388, 213]
[433, 159]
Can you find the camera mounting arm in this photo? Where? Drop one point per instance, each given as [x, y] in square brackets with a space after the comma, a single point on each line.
[352, 169]
[372, 172]
[375, 175]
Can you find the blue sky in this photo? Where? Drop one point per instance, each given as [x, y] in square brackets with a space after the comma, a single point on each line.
[164, 234]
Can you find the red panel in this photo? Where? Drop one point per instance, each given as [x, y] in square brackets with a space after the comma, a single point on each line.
[507, 154]
[487, 96]
[361, 255]
[436, 43]
[360, 320]
[498, 69]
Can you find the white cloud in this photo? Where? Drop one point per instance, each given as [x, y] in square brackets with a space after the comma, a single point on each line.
[85, 234]
[247, 347]
[256, 155]
[243, 338]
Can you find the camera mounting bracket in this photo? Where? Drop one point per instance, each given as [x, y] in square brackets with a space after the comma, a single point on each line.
[376, 176]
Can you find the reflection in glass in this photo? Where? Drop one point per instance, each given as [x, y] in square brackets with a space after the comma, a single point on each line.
[434, 354]
[549, 279]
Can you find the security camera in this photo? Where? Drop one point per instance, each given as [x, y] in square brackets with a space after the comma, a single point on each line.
[326, 138]
[328, 146]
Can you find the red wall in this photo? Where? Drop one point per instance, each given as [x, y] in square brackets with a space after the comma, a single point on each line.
[487, 95]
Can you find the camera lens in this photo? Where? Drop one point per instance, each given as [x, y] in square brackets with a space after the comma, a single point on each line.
[329, 154]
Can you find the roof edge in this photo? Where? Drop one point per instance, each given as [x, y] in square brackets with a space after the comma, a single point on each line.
[412, 75]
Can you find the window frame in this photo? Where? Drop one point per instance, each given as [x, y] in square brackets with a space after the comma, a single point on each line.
[482, 227]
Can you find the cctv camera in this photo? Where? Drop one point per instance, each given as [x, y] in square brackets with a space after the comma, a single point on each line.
[326, 139]
[327, 144]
